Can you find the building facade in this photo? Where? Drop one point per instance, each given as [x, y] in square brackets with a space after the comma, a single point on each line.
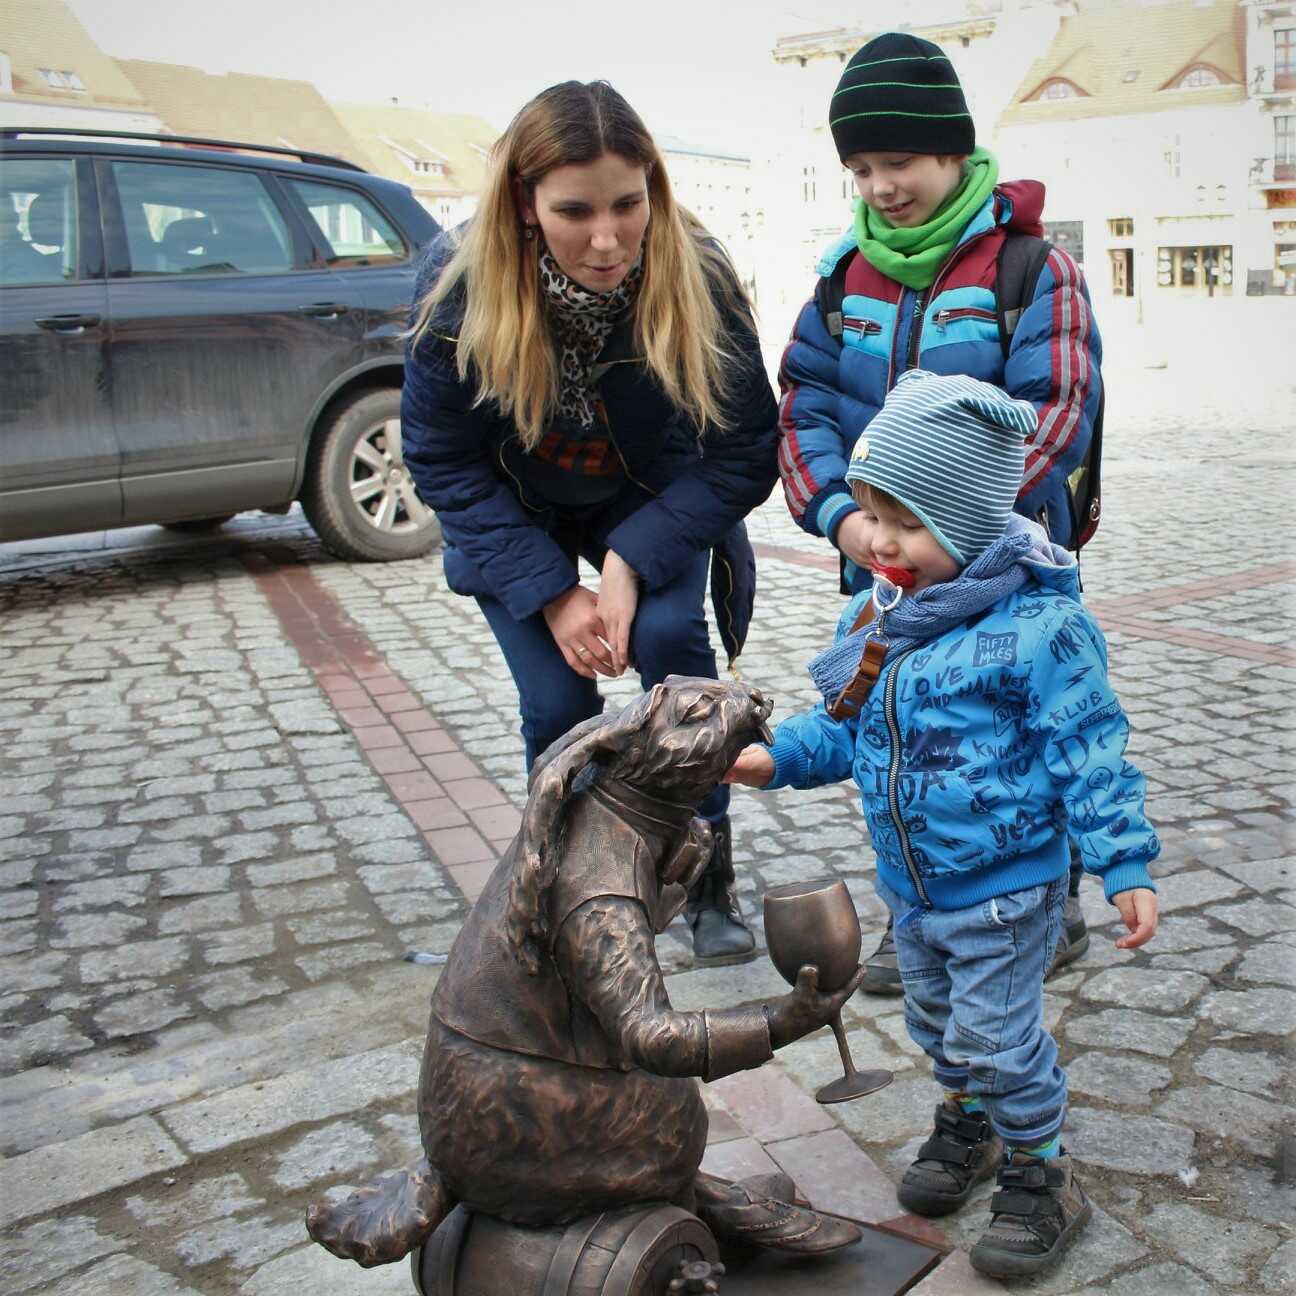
[1271, 176]
[441, 156]
[52, 74]
[717, 188]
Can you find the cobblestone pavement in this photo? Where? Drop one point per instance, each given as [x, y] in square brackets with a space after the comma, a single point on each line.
[241, 779]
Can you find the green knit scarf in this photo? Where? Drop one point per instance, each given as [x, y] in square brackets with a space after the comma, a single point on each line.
[913, 256]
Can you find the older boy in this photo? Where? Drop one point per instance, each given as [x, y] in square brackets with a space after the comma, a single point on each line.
[918, 271]
[990, 733]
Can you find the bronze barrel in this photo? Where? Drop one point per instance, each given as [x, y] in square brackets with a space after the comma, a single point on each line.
[632, 1251]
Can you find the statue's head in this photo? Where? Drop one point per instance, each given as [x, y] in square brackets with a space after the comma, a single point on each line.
[684, 734]
[674, 742]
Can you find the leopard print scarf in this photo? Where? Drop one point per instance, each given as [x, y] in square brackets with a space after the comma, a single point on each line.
[581, 322]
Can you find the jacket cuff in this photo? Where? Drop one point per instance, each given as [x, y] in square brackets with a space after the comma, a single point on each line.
[737, 1039]
[831, 512]
[791, 762]
[1126, 877]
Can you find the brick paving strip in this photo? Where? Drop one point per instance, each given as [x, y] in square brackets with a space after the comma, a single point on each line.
[463, 816]
[1120, 614]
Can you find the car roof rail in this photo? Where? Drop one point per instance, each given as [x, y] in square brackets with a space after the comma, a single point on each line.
[303, 155]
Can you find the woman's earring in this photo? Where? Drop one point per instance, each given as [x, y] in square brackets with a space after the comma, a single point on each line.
[528, 232]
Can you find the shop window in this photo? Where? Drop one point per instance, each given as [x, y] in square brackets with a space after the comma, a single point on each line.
[1122, 271]
[1207, 271]
[1285, 59]
[1285, 268]
[1284, 167]
[1121, 226]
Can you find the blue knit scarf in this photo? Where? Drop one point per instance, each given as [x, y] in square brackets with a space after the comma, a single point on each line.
[988, 578]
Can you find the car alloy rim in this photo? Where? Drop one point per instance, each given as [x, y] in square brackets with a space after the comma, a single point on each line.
[381, 486]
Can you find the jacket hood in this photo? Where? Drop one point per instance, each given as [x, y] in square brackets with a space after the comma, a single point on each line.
[1021, 204]
[1049, 564]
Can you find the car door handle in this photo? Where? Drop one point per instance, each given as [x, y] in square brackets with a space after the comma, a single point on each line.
[325, 310]
[66, 323]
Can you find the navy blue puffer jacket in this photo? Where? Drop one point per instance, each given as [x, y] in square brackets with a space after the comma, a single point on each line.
[468, 465]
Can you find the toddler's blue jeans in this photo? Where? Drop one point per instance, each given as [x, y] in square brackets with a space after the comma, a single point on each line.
[973, 1000]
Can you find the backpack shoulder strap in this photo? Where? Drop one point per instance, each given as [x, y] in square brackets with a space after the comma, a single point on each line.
[830, 292]
[1021, 258]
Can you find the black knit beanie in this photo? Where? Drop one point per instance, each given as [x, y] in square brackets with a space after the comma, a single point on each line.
[900, 93]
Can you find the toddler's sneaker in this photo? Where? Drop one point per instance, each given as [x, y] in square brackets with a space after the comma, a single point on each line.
[1036, 1214]
[962, 1152]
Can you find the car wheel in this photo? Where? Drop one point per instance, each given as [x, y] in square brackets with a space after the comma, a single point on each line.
[196, 526]
[358, 494]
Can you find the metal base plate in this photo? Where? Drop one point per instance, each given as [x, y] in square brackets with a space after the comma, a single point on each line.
[880, 1264]
[858, 1084]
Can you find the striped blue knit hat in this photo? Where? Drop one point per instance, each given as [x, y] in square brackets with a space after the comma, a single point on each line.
[951, 450]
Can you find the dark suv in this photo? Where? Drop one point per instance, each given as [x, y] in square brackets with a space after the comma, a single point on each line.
[187, 331]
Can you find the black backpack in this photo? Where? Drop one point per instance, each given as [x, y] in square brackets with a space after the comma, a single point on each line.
[1021, 258]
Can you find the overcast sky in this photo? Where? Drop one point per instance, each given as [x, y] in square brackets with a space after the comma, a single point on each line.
[692, 68]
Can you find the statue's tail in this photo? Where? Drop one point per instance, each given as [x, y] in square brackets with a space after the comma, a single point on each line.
[384, 1220]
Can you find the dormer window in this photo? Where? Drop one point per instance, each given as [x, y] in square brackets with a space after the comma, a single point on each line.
[1057, 88]
[61, 79]
[1198, 77]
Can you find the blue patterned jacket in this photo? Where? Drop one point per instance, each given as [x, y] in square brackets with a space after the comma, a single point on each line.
[978, 751]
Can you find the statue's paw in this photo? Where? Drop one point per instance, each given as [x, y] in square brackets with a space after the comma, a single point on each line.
[381, 1222]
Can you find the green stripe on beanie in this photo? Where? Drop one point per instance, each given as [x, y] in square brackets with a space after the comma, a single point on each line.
[951, 449]
[900, 93]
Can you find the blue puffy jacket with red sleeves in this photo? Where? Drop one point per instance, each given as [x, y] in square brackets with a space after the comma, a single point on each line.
[468, 465]
[832, 388]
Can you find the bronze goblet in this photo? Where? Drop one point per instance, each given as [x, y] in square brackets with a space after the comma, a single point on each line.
[816, 923]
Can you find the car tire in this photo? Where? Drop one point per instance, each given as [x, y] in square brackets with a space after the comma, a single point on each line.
[198, 526]
[358, 494]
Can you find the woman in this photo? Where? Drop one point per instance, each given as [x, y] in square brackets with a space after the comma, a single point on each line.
[583, 380]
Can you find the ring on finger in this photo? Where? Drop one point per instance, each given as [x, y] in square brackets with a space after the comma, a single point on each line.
[581, 650]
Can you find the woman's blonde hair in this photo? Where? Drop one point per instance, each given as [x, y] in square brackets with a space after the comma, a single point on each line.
[504, 342]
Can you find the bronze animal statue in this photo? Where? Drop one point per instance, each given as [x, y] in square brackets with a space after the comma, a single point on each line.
[557, 1079]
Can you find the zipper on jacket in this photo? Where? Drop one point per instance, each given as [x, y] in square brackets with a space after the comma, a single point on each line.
[915, 326]
[521, 494]
[929, 294]
[860, 325]
[944, 317]
[893, 778]
[607, 423]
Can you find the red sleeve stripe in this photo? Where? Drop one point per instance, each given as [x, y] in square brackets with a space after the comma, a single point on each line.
[796, 486]
[1070, 371]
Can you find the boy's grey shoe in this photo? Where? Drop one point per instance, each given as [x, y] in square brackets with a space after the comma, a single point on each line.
[1073, 939]
[882, 972]
[1036, 1214]
[962, 1152]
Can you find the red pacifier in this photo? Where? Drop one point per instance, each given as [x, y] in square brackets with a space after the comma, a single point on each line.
[900, 577]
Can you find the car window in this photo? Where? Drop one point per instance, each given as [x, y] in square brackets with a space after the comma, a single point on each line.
[183, 219]
[354, 231]
[38, 220]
